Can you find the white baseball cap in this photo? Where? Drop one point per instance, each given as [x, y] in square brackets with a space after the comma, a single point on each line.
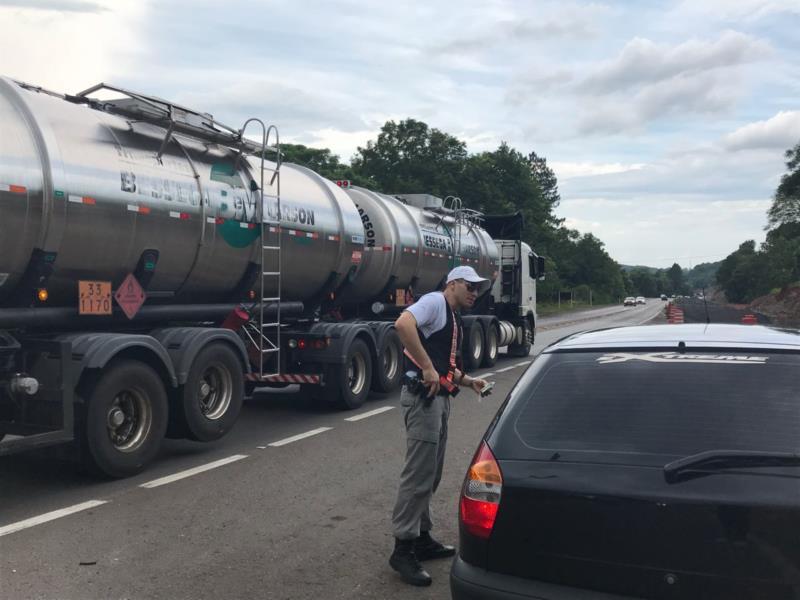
[467, 274]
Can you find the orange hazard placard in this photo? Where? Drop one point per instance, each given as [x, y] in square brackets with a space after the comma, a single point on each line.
[94, 297]
[130, 296]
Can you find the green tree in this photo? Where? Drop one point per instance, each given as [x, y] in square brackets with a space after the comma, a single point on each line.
[786, 202]
[675, 278]
[410, 157]
[324, 162]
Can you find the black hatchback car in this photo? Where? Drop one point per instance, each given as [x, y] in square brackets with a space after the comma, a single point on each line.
[641, 462]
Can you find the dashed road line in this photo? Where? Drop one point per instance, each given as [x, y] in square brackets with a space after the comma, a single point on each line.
[506, 369]
[370, 413]
[489, 374]
[299, 437]
[524, 363]
[194, 471]
[51, 516]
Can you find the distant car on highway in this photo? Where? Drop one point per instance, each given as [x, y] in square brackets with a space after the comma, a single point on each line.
[664, 297]
[640, 300]
[641, 462]
[629, 301]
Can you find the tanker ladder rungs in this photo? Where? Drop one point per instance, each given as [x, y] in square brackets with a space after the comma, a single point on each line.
[265, 325]
[271, 247]
[269, 350]
[271, 273]
[270, 299]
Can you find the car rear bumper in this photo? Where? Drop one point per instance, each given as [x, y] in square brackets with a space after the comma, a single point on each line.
[468, 582]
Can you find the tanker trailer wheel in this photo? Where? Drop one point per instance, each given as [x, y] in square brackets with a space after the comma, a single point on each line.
[490, 354]
[348, 384]
[210, 400]
[523, 349]
[124, 419]
[473, 353]
[387, 371]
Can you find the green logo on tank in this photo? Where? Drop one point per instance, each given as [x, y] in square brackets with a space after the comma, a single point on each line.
[236, 235]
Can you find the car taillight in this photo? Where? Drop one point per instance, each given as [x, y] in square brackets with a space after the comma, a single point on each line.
[480, 497]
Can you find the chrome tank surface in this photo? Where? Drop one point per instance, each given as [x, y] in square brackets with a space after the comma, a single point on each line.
[407, 246]
[86, 190]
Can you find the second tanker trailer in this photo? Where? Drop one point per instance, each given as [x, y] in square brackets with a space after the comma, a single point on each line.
[154, 266]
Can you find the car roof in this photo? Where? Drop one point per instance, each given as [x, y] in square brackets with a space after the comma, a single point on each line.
[687, 336]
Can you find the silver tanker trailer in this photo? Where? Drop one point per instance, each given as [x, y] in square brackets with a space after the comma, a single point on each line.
[155, 265]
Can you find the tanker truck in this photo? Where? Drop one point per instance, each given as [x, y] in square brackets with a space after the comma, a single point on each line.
[157, 265]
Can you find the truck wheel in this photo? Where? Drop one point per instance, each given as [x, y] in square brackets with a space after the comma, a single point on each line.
[490, 354]
[523, 349]
[473, 353]
[212, 396]
[125, 419]
[387, 371]
[349, 383]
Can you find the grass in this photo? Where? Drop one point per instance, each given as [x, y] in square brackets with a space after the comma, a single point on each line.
[545, 309]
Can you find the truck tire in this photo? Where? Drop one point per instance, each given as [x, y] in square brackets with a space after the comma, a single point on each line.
[474, 351]
[124, 419]
[348, 384]
[523, 349]
[388, 369]
[490, 353]
[210, 400]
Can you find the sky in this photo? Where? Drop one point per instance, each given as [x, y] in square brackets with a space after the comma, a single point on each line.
[666, 122]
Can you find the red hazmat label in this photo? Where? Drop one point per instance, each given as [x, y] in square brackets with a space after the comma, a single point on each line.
[130, 296]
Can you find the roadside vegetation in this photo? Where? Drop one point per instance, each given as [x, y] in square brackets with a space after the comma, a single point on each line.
[411, 157]
[774, 268]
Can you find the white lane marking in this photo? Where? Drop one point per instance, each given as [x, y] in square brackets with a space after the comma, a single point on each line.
[261, 447]
[189, 472]
[370, 413]
[300, 436]
[524, 363]
[506, 369]
[51, 516]
[489, 374]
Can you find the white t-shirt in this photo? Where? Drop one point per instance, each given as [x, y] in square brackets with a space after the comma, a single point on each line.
[430, 311]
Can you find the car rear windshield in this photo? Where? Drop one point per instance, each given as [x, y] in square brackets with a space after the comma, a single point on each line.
[659, 403]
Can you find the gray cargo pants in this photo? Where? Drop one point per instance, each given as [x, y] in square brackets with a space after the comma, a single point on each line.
[426, 433]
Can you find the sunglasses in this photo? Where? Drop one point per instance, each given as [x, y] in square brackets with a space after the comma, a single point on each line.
[471, 287]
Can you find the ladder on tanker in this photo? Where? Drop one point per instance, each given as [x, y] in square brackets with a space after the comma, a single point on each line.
[265, 334]
[462, 217]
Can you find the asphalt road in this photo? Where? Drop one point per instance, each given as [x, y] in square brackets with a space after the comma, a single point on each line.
[275, 515]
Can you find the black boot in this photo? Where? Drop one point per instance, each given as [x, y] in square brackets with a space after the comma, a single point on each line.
[427, 548]
[404, 561]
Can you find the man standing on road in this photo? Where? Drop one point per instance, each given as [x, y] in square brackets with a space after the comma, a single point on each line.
[431, 333]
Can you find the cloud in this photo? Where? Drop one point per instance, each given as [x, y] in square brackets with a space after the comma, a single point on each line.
[67, 48]
[740, 10]
[79, 6]
[643, 62]
[699, 94]
[568, 170]
[779, 133]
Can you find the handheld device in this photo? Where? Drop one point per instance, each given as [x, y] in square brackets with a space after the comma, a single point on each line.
[487, 389]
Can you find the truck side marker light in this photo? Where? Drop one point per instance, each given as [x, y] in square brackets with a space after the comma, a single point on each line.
[82, 200]
[14, 189]
[42, 295]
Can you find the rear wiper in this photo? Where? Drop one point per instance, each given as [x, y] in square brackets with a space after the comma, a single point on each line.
[728, 459]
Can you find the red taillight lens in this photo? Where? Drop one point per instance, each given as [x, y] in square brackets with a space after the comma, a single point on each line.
[480, 497]
[301, 343]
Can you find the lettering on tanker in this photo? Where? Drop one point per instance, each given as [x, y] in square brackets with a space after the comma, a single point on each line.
[290, 213]
[369, 229]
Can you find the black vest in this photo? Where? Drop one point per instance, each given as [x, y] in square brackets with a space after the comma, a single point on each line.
[439, 344]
